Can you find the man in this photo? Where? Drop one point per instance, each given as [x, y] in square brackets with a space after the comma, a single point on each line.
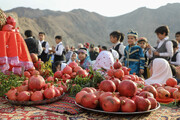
[32, 44]
[45, 46]
[93, 53]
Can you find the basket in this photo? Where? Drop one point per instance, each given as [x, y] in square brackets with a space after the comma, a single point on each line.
[2, 19]
[29, 103]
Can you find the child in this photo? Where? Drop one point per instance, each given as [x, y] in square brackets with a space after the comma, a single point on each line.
[59, 50]
[177, 35]
[73, 57]
[134, 57]
[117, 38]
[164, 48]
[84, 58]
[160, 72]
[58, 66]
[175, 60]
[142, 42]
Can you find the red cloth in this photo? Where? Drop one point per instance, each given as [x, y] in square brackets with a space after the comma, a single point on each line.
[14, 52]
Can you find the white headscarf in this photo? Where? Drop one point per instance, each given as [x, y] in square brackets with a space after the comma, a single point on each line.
[63, 65]
[104, 60]
[161, 72]
[71, 56]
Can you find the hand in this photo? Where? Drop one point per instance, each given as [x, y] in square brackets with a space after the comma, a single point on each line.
[141, 71]
[43, 48]
[156, 53]
[148, 46]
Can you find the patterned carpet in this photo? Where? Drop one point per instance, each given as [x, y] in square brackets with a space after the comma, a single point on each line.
[9, 112]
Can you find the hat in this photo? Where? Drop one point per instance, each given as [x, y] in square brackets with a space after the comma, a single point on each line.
[92, 46]
[82, 50]
[132, 33]
[142, 39]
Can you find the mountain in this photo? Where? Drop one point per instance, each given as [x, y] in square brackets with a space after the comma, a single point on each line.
[79, 26]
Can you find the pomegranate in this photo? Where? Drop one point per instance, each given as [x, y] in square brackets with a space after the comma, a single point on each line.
[107, 86]
[111, 104]
[38, 64]
[58, 74]
[88, 90]
[49, 92]
[73, 64]
[127, 88]
[79, 96]
[128, 105]
[35, 72]
[151, 89]
[60, 89]
[25, 82]
[126, 70]
[73, 75]
[11, 94]
[126, 77]
[163, 94]
[67, 70]
[167, 88]
[116, 82]
[27, 74]
[63, 85]
[133, 77]
[104, 95]
[22, 88]
[50, 79]
[23, 96]
[176, 94]
[57, 92]
[98, 93]
[110, 72]
[34, 57]
[142, 104]
[171, 82]
[171, 91]
[139, 90]
[119, 73]
[153, 102]
[122, 98]
[89, 100]
[36, 82]
[66, 77]
[37, 95]
[156, 85]
[146, 94]
[82, 73]
[94, 90]
[77, 68]
[117, 64]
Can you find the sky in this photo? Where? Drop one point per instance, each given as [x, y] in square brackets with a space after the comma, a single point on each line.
[107, 8]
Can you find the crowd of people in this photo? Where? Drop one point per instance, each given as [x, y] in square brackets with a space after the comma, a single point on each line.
[152, 63]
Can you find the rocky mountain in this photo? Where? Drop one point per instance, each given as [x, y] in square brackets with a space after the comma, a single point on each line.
[79, 26]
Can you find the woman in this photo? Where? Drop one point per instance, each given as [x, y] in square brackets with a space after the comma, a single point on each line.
[83, 55]
[160, 71]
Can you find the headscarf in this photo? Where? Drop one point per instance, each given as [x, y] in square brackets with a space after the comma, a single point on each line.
[104, 60]
[63, 65]
[87, 60]
[161, 72]
[71, 56]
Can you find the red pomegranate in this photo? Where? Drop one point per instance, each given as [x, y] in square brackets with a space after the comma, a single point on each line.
[98, 93]
[126, 77]
[163, 94]
[128, 105]
[117, 64]
[35, 72]
[58, 74]
[146, 94]
[89, 100]
[116, 82]
[11, 94]
[139, 90]
[151, 89]
[67, 70]
[58, 93]
[153, 102]
[36, 82]
[127, 88]
[73, 75]
[49, 92]
[111, 104]
[63, 85]
[23, 96]
[126, 70]
[25, 82]
[122, 98]
[133, 77]
[79, 96]
[167, 88]
[171, 91]
[77, 68]
[142, 104]
[38, 64]
[171, 82]
[37, 95]
[10, 20]
[60, 89]
[176, 94]
[82, 73]
[34, 57]
[22, 88]
[156, 85]
[66, 77]
[73, 64]
[107, 86]
[94, 90]
[50, 79]
[104, 95]
[118, 73]
[27, 74]
[88, 90]
[110, 72]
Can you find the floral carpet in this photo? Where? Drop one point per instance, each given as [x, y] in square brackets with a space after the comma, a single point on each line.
[9, 112]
